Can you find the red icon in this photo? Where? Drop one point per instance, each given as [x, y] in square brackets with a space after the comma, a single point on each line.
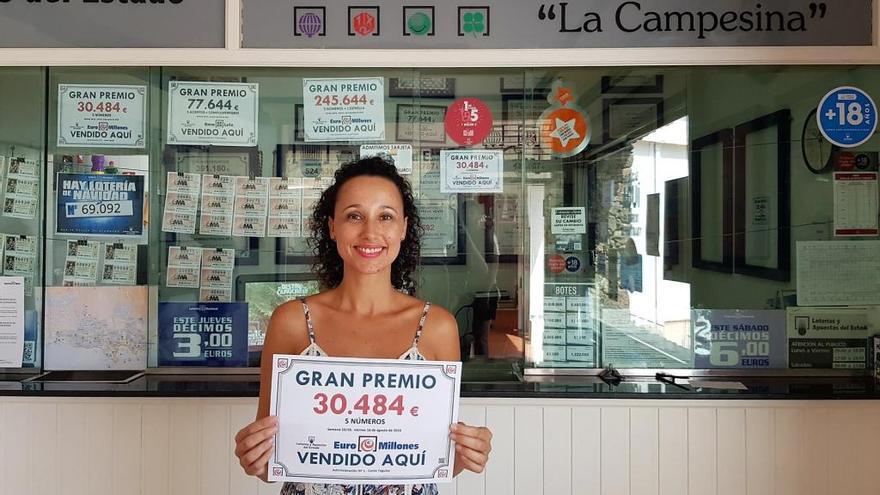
[468, 121]
[364, 24]
[555, 263]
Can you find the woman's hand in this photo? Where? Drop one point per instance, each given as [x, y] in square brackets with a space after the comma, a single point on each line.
[472, 447]
[253, 446]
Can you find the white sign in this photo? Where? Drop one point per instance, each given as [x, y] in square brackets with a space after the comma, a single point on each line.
[101, 116]
[471, 171]
[569, 220]
[351, 109]
[399, 154]
[343, 420]
[219, 114]
[11, 321]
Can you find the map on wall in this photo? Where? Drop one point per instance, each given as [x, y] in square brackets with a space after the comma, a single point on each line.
[96, 328]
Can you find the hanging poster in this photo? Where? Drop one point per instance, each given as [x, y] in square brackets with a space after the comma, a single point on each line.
[101, 116]
[855, 204]
[119, 264]
[183, 267]
[217, 114]
[81, 263]
[21, 193]
[398, 154]
[569, 220]
[218, 198]
[471, 171]
[739, 339]
[349, 109]
[93, 204]
[216, 275]
[203, 334]
[285, 207]
[181, 202]
[251, 206]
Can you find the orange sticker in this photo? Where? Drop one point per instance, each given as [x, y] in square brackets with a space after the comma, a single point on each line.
[565, 127]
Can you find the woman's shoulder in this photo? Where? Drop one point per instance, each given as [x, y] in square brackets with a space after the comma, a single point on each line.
[287, 326]
[439, 339]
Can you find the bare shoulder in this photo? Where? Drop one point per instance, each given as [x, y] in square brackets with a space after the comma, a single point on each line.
[440, 335]
[287, 332]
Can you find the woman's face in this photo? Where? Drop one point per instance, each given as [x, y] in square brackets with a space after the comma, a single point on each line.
[368, 224]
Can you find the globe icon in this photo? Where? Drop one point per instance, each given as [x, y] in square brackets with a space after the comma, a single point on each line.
[310, 24]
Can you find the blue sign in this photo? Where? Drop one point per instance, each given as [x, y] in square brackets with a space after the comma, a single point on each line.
[97, 204]
[739, 339]
[847, 116]
[203, 334]
[572, 264]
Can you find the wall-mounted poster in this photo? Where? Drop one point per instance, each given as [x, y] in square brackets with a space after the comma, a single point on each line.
[399, 154]
[348, 109]
[569, 220]
[203, 334]
[423, 123]
[90, 204]
[471, 171]
[441, 229]
[212, 113]
[829, 337]
[101, 116]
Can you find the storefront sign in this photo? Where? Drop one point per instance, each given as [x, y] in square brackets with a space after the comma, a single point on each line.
[101, 116]
[351, 109]
[471, 171]
[569, 220]
[90, 204]
[380, 421]
[468, 121]
[585, 24]
[838, 338]
[399, 154]
[739, 339]
[113, 24]
[219, 114]
[847, 116]
[203, 334]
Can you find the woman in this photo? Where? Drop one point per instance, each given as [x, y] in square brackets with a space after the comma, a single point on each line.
[366, 231]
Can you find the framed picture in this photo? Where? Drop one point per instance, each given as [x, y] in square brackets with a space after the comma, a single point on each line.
[627, 118]
[711, 193]
[762, 165]
[422, 123]
[632, 84]
[521, 121]
[428, 87]
[211, 160]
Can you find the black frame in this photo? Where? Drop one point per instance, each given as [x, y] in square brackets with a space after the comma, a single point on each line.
[417, 138]
[781, 119]
[608, 103]
[725, 138]
[170, 163]
[609, 85]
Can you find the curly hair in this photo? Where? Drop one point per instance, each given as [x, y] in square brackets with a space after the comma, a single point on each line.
[327, 263]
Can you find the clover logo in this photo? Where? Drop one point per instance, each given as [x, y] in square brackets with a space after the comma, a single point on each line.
[473, 21]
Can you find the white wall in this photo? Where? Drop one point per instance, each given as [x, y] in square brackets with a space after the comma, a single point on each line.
[552, 447]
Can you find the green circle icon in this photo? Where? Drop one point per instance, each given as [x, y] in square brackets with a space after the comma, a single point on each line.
[419, 23]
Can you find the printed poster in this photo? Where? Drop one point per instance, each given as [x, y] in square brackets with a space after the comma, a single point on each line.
[569, 334]
[212, 113]
[181, 202]
[569, 220]
[11, 322]
[471, 171]
[101, 116]
[441, 233]
[211, 334]
[831, 338]
[398, 154]
[91, 204]
[855, 204]
[347, 109]
[350, 420]
[739, 339]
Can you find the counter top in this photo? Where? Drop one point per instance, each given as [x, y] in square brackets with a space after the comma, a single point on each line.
[791, 388]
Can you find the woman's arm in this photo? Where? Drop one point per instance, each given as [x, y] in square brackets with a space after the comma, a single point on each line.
[440, 342]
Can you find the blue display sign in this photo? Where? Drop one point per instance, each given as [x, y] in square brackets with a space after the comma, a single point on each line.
[203, 334]
[739, 339]
[97, 204]
[847, 116]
